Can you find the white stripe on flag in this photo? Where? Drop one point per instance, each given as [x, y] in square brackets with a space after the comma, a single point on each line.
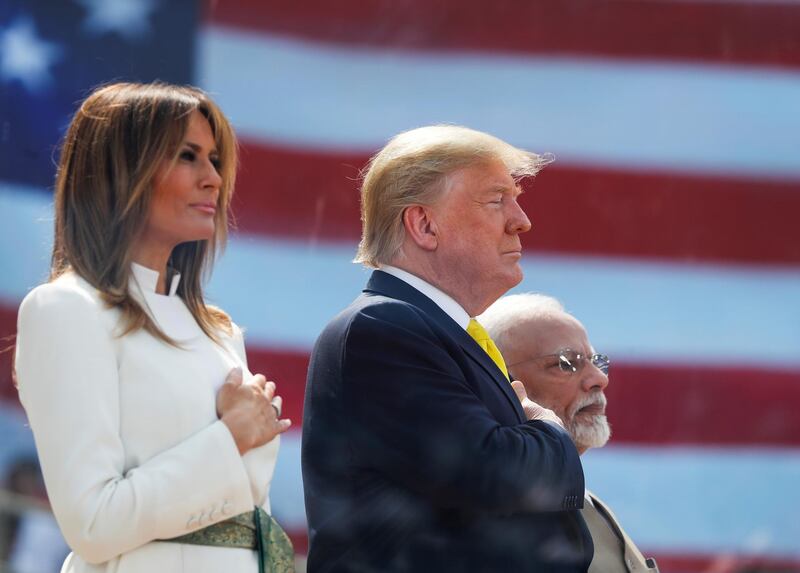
[706, 500]
[284, 292]
[683, 117]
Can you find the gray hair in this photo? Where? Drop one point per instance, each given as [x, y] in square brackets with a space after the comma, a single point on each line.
[411, 170]
[506, 312]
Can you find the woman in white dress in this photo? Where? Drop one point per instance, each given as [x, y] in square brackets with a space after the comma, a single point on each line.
[157, 444]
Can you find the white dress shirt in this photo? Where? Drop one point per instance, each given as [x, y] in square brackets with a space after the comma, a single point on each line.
[126, 429]
[442, 299]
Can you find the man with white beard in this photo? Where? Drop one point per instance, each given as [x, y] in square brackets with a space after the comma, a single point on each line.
[548, 350]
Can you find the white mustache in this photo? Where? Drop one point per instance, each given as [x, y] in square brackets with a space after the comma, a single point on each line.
[593, 399]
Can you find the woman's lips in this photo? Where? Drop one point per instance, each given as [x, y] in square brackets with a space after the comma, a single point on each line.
[208, 208]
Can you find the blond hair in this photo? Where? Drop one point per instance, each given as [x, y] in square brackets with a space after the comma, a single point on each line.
[116, 142]
[411, 170]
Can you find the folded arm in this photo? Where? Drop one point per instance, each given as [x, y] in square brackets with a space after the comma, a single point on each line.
[68, 383]
[414, 417]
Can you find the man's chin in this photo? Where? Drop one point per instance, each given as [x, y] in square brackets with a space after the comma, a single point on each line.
[592, 433]
[515, 276]
[502, 283]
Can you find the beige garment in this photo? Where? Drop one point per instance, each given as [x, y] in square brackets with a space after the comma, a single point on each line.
[614, 551]
[127, 431]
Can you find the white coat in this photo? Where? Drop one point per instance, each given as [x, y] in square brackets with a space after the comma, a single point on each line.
[126, 429]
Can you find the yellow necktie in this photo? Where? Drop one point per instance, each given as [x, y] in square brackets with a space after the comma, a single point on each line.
[476, 331]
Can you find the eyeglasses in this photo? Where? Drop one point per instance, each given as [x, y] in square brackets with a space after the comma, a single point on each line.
[571, 361]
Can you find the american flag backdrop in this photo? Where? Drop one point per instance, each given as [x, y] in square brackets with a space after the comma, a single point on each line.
[669, 223]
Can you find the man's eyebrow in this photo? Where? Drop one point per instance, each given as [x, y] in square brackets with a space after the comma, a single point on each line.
[503, 188]
[498, 187]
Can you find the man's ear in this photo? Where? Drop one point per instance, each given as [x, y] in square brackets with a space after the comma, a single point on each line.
[420, 227]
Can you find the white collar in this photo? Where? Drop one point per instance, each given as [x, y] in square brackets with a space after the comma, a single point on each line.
[147, 279]
[442, 300]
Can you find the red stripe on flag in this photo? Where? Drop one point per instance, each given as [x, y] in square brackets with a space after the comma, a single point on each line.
[299, 539]
[288, 370]
[722, 563]
[647, 404]
[580, 211]
[700, 405]
[756, 33]
[8, 332]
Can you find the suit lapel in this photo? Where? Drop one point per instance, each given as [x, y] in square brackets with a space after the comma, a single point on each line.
[632, 553]
[388, 285]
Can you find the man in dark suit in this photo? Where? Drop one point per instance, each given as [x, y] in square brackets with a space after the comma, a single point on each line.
[548, 350]
[418, 453]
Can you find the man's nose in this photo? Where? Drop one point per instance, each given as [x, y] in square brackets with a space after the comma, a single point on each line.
[518, 221]
[593, 377]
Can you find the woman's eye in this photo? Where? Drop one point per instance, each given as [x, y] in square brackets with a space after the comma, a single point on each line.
[188, 155]
[216, 163]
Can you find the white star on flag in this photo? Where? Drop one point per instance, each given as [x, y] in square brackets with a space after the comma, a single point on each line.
[25, 57]
[128, 18]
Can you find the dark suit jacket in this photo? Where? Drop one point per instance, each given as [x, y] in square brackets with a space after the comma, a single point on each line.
[417, 455]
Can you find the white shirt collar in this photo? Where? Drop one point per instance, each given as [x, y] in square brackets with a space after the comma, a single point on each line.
[442, 300]
[147, 279]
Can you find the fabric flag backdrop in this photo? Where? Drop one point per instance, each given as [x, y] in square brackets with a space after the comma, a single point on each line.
[668, 224]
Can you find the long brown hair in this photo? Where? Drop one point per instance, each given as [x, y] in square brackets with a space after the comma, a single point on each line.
[115, 144]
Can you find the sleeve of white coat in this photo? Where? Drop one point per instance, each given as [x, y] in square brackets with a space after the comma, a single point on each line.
[68, 384]
[260, 462]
